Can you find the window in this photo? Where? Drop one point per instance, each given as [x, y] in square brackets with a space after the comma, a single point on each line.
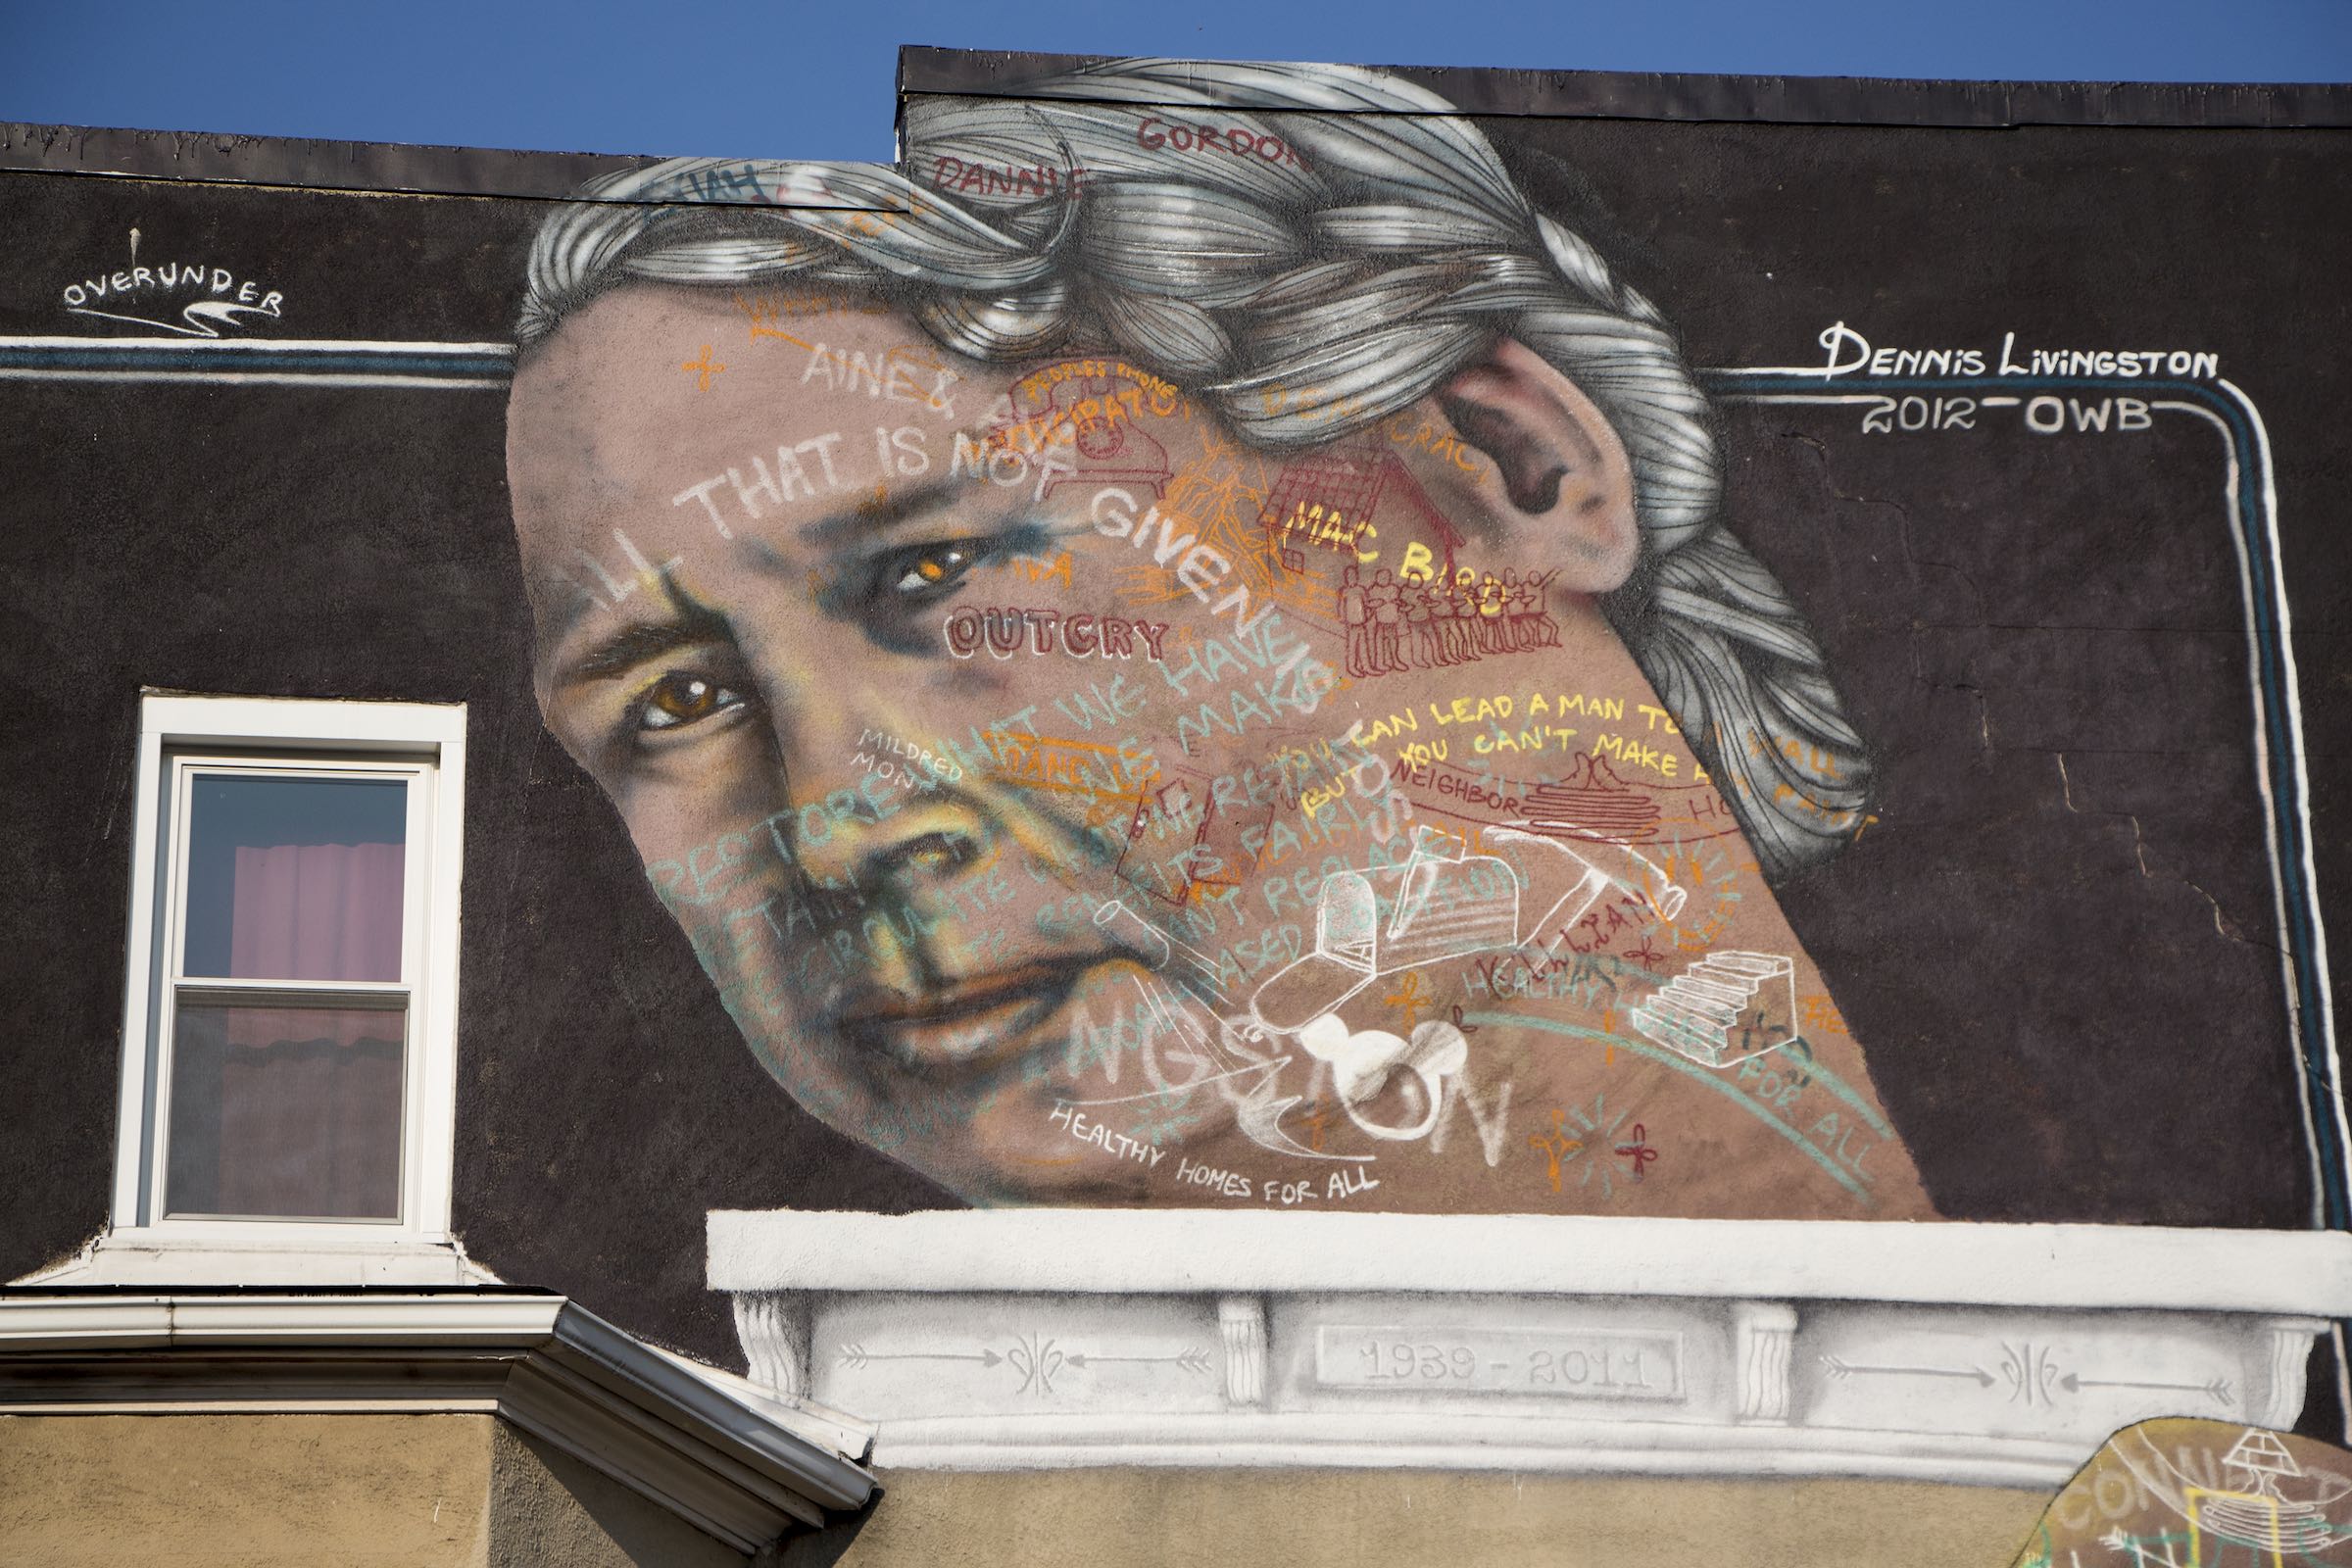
[290, 1011]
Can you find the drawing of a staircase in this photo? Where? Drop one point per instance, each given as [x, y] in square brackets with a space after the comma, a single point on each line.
[1724, 1007]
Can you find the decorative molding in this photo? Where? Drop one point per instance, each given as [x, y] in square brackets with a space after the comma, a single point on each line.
[1241, 1322]
[1565, 1446]
[1171, 1250]
[1018, 1369]
[1601, 1384]
[1568, 1346]
[2282, 1389]
[1476, 1353]
[774, 1331]
[727, 1460]
[1764, 1336]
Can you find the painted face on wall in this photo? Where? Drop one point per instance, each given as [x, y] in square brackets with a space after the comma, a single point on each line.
[995, 732]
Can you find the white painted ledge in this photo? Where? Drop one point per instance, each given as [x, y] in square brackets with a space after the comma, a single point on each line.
[1991, 1355]
[1125, 1251]
[740, 1462]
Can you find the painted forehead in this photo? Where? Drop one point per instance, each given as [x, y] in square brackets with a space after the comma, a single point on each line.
[600, 384]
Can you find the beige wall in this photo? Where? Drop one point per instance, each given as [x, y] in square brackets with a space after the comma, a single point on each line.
[260, 1490]
[546, 1507]
[230, 1490]
[1359, 1519]
[467, 1490]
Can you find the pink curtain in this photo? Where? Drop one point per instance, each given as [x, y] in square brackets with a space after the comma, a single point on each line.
[311, 1098]
[316, 912]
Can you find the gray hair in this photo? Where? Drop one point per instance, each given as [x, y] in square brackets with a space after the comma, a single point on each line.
[1378, 250]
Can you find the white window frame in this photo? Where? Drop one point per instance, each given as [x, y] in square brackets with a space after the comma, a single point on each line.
[181, 734]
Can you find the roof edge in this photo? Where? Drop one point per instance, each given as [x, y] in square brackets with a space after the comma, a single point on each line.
[736, 1464]
[1772, 100]
[433, 169]
[307, 163]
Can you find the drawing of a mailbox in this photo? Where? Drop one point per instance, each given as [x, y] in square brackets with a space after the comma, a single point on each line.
[1444, 903]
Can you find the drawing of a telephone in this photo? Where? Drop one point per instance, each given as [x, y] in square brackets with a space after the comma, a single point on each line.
[1105, 442]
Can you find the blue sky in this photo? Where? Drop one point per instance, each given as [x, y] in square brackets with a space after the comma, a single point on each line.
[789, 79]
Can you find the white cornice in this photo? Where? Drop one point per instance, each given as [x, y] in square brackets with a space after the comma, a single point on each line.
[742, 1467]
[1121, 1252]
[1385, 1441]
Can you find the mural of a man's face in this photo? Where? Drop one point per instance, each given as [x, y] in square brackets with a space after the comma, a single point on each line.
[944, 706]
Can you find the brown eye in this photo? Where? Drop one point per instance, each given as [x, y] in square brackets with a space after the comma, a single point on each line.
[683, 697]
[934, 569]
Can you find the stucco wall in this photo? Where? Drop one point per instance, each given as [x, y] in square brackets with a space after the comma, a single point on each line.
[246, 1491]
[546, 1507]
[1368, 1517]
[258, 1491]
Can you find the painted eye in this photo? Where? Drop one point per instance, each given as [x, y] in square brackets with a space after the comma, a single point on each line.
[933, 568]
[681, 698]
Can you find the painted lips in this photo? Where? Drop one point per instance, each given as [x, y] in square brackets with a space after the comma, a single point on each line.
[983, 1017]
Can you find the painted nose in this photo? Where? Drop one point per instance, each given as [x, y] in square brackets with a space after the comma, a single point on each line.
[873, 806]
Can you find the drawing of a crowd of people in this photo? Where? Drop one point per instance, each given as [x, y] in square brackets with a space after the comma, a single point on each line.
[1421, 622]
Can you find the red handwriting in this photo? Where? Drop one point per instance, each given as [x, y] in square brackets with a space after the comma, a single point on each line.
[1038, 181]
[1469, 787]
[1156, 133]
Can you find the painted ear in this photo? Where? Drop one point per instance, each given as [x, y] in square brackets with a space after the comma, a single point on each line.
[1565, 475]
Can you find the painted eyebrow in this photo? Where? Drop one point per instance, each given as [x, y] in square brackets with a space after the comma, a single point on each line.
[694, 625]
[880, 517]
[636, 644]
[839, 532]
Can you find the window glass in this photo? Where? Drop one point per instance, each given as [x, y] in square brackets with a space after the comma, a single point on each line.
[295, 878]
[285, 1111]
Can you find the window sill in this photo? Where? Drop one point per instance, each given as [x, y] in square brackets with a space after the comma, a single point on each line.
[281, 1255]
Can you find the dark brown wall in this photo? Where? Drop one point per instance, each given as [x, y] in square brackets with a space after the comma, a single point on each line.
[2051, 1049]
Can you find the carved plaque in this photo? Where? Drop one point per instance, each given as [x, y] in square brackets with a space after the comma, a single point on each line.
[1562, 1363]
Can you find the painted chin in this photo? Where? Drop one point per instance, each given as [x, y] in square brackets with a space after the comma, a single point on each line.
[973, 1026]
